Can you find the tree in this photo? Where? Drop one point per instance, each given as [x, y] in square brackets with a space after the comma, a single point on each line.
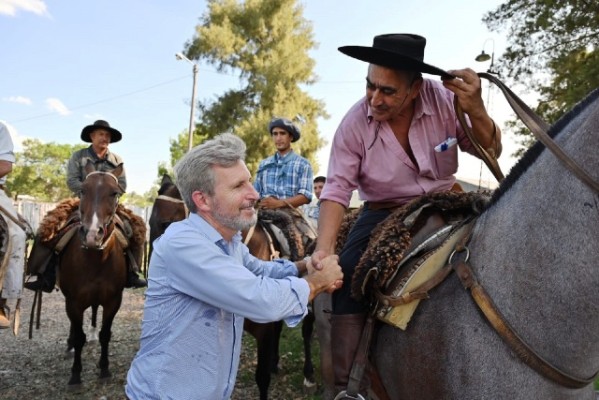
[41, 169]
[553, 49]
[265, 42]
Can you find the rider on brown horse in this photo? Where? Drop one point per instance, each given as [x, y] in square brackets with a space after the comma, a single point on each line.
[42, 261]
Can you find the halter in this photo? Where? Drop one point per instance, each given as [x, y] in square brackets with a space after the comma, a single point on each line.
[174, 200]
[103, 173]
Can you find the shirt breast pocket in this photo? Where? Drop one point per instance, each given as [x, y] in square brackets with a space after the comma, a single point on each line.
[446, 162]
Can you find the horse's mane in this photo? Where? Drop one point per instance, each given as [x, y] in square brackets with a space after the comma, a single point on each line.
[531, 155]
[284, 222]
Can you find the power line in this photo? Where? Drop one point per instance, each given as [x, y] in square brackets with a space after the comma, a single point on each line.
[105, 100]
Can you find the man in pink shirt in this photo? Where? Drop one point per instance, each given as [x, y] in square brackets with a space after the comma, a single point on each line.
[397, 143]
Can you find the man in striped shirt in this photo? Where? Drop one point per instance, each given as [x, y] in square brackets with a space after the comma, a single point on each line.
[284, 179]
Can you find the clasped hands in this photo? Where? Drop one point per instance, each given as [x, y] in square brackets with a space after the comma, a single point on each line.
[324, 272]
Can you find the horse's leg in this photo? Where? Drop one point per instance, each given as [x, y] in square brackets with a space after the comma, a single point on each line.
[321, 308]
[307, 330]
[109, 311]
[76, 340]
[274, 360]
[93, 334]
[264, 334]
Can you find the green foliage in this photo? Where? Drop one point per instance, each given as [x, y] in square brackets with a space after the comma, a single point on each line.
[265, 42]
[41, 169]
[139, 200]
[552, 49]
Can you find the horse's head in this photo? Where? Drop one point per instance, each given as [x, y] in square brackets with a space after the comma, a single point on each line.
[100, 192]
[168, 208]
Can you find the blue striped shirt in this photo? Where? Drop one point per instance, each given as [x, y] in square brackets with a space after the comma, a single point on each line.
[200, 288]
[284, 176]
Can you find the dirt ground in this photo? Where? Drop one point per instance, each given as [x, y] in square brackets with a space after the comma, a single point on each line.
[37, 368]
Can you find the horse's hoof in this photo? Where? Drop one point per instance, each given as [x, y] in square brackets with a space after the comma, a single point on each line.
[309, 387]
[68, 354]
[104, 380]
[74, 387]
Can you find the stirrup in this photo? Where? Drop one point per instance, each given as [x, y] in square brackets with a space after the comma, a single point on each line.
[343, 395]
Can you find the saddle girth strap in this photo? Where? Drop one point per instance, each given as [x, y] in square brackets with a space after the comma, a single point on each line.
[274, 254]
[360, 361]
[504, 329]
[249, 235]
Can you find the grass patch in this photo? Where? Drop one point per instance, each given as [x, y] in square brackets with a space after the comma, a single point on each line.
[288, 383]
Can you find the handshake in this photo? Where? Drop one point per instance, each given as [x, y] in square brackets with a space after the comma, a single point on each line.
[324, 275]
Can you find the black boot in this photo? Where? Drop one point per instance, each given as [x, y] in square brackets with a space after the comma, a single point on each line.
[46, 281]
[133, 279]
[346, 331]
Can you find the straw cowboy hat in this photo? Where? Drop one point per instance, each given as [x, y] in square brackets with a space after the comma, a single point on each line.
[287, 125]
[401, 51]
[115, 135]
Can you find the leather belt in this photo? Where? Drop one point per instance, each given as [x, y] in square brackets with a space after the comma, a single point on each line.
[382, 205]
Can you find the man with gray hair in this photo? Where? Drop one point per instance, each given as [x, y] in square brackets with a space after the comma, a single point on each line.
[203, 282]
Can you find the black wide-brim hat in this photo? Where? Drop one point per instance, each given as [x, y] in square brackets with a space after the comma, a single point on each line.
[400, 51]
[115, 135]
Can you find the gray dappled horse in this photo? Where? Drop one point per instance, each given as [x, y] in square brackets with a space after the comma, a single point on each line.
[536, 252]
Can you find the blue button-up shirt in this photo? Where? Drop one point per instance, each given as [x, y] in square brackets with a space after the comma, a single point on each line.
[200, 288]
[284, 176]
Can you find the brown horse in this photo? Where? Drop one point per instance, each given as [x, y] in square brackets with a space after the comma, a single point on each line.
[92, 269]
[168, 207]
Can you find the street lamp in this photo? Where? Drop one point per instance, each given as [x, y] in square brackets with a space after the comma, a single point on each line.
[482, 57]
[181, 56]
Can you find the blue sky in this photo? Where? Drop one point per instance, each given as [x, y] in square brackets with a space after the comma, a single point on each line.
[67, 64]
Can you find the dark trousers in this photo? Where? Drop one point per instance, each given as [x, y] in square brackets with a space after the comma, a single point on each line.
[355, 246]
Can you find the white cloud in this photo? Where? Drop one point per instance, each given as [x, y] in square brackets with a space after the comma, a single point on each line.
[11, 7]
[58, 106]
[93, 117]
[18, 99]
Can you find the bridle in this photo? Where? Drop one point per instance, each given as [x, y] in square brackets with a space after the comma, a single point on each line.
[107, 224]
[174, 200]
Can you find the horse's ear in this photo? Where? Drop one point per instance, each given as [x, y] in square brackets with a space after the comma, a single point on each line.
[166, 179]
[118, 170]
[89, 167]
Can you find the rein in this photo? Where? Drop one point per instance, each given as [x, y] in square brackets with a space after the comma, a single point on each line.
[535, 124]
[458, 261]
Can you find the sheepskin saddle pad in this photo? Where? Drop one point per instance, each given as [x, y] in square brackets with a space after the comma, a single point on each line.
[401, 243]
